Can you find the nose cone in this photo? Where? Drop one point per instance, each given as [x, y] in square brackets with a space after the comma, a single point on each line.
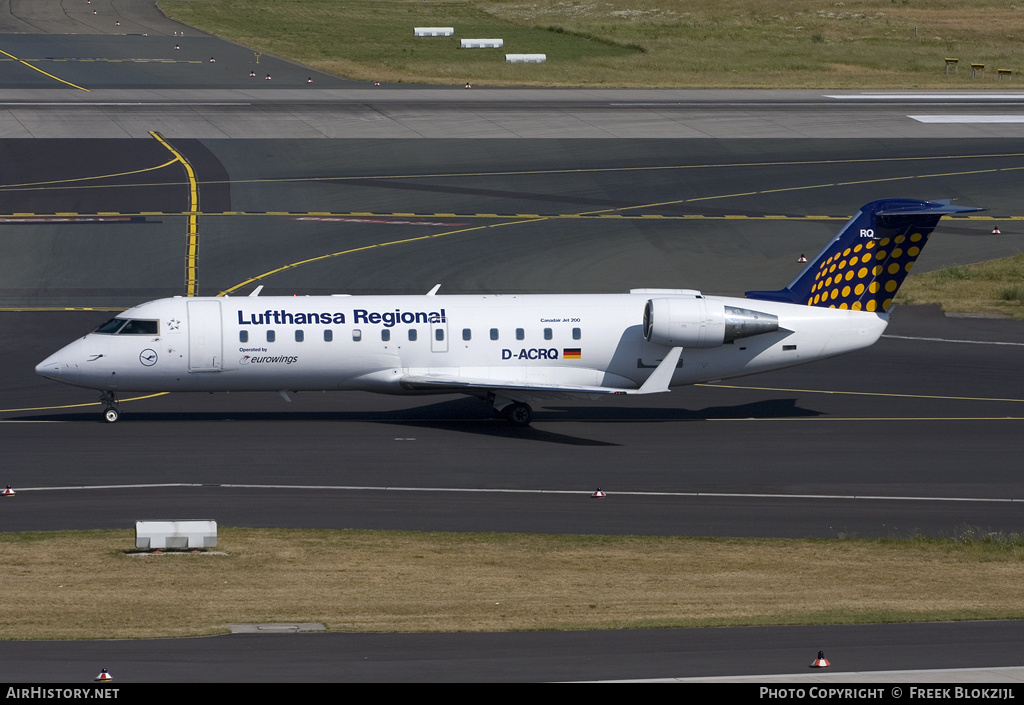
[52, 367]
[61, 366]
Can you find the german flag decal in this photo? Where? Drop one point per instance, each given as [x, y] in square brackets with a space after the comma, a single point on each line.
[570, 353]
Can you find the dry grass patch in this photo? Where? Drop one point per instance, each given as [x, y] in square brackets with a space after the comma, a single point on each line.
[634, 43]
[79, 585]
[994, 288]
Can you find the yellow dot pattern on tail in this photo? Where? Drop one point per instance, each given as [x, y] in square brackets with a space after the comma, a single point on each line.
[865, 277]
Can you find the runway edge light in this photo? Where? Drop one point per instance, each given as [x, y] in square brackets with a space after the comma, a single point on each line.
[821, 661]
[104, 676]
[8, 492]
[598, 494]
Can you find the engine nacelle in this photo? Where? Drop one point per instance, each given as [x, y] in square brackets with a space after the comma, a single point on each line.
[702, 323]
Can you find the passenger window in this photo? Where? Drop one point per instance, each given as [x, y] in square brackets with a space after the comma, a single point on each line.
[494, 333]
[439, 334]
[412, 334]
[357, 334]
[467, 334]
[328, 335]
[520, 334]
[385, 334]
[299, 336]
[576, 334]
[547, 334]
[243, 336]
[271, 336]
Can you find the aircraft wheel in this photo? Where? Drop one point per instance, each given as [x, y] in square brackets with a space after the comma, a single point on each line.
[111, 415]
[519, 414]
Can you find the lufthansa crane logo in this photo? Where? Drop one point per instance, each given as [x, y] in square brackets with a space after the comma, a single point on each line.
[148, 357]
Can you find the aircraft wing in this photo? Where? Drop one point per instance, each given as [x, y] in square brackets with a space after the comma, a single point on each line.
[657, 382]
[453, 383]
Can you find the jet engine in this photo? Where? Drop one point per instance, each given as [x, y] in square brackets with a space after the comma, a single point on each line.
[702, 323]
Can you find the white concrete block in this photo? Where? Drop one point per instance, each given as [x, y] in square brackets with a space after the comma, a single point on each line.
[482, 43]
[175, 534]
[433, 31]
[526, 58]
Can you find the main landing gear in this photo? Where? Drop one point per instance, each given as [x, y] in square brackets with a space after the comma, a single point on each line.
[518, 414]
[112, 413]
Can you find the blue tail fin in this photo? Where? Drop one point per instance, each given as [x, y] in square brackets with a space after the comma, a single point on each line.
[864, 265]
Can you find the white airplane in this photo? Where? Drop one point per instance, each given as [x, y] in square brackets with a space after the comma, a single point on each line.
[509, 350]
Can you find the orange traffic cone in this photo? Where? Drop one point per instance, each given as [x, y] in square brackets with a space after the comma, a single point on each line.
[104, 676]
[821, 661]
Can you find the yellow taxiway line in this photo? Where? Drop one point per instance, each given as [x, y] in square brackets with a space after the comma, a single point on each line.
[34, 68]
[191, 283]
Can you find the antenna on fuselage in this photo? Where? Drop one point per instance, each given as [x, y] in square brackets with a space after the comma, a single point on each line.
[434, 290]
[256, 291]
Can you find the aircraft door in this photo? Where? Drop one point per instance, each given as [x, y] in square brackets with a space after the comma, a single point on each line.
[204, 336]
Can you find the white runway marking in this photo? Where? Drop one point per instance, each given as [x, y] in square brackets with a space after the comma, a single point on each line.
[967, 119]
[949, 340]
[930, 96]
[499, 490]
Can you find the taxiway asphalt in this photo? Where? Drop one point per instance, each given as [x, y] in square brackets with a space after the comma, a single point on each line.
[559, 191]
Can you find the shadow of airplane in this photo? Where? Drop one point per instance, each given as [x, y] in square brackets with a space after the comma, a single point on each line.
[466, 416]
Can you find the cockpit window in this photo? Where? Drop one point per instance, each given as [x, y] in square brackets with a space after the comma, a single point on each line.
[137, 327]
[111, 326]
[129, 326]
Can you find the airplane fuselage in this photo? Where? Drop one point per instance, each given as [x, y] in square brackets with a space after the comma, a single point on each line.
[379, 343]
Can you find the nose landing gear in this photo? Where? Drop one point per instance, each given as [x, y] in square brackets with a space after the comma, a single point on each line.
[112, 413]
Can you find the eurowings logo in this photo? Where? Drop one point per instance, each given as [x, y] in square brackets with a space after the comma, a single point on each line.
[268, 359]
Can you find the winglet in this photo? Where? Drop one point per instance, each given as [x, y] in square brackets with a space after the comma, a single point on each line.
[662, 375]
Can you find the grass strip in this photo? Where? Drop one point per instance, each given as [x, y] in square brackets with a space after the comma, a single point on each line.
[86, 584]
[994, 288]
[881, 44]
